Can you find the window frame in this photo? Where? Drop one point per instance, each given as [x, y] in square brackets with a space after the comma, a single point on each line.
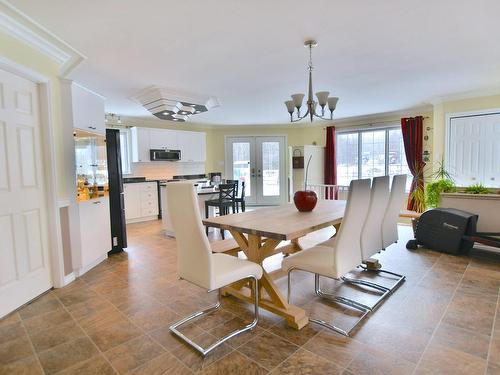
[359, 132]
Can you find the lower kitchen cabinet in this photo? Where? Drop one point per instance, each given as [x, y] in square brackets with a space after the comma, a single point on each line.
[95, 232]
[141, 201]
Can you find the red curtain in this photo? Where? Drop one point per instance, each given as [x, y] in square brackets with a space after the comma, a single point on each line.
[412, 128]
[330, 163]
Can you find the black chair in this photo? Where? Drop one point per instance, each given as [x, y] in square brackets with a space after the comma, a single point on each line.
[225, 201]
[235, 182]
[241, 198]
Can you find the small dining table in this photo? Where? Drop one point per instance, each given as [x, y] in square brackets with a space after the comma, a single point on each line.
[258, 234]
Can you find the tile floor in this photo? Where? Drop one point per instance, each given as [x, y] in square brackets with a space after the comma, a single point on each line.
[444, 320]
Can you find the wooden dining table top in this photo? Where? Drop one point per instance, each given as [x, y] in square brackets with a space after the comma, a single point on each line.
[283, 222]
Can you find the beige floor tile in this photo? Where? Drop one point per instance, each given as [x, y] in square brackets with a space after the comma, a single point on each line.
[112, 333]
[165, 364]
[46, 321]
[25, 366]
[48, 338]
[11, 331]
[443, 360]
[268, 350]
[463, 340]
[305, 362]
[46, 303]
[234, 363]
[376, 362]
[68, 354]
[133, 353]
[331, 346]
[14, 350]
[97, 365]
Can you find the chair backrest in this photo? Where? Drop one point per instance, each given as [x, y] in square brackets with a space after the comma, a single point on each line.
[390, 221]
[236, 183]
[194, 260]
[371, 234]
[347, 254]
[227, 192]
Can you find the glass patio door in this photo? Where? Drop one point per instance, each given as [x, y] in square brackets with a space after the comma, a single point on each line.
[260, 162]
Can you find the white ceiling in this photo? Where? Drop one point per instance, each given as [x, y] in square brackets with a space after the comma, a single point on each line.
[377, 56]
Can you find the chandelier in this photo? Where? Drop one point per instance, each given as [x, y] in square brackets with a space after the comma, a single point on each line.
[323, 98]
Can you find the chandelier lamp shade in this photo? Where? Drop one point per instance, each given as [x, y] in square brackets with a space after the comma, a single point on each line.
[323, 99]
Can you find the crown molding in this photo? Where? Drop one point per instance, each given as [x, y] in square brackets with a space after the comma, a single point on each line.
[18, 25]
[489, 91]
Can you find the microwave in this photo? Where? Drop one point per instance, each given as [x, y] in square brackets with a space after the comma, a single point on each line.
[164, 155]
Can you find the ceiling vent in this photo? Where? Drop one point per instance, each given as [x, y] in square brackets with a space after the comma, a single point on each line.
[174, 105]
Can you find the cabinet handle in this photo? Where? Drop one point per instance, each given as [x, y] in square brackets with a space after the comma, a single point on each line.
[492, 179]
[97, 202]
[92, 127]
[473, 178]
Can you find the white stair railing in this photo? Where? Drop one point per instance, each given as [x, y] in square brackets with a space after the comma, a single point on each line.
[328, 191]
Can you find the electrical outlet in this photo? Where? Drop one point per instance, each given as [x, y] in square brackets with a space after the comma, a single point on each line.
[115, 241]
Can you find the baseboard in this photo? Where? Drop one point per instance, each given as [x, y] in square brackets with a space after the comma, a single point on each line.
[141, 219]
[89, 266]
[69, 278]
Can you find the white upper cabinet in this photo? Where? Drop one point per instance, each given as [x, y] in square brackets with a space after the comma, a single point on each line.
[163, 139]
[88, 110]
[191, 144]
[140, 144]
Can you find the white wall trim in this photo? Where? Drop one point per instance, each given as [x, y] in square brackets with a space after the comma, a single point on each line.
[18, 25]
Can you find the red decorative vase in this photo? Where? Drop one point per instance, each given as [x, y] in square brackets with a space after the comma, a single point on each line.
[305, 201]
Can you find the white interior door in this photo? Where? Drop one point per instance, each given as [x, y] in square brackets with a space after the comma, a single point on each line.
[260, 162]
[24, 261]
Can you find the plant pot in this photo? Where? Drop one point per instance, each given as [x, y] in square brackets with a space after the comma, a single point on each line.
[305, 201]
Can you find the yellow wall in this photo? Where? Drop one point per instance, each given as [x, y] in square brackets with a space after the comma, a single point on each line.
[456, 106]
[22, 54]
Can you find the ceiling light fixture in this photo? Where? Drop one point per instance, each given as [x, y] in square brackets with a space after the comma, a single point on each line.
[323, 98]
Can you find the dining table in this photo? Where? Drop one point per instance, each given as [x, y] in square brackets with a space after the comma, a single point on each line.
[259, 233]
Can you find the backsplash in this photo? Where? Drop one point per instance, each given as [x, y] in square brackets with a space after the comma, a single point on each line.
[161, 170]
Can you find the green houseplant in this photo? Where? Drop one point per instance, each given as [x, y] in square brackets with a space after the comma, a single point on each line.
[477, 189]
[434, 190]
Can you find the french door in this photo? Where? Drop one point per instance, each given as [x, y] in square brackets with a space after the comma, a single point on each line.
[260, 162]
[24, 257]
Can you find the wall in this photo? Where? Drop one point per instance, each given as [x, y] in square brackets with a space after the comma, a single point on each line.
[454, 106]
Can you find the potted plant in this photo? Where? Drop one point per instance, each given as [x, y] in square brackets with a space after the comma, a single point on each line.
[443, 184]
[305, 200]
[477, 189]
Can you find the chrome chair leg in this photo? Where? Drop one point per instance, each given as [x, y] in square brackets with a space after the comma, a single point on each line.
[342, 300]
[204, 351]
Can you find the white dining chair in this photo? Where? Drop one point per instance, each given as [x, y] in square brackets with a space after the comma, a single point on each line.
[198, 265]
[371, 238]
[335, 262]
[391, 217]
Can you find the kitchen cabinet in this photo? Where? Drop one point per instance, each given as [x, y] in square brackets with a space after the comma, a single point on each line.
[141, 201]
[87, 108]
[140, 144]
[163, 138]
[191, 144]
[95, 231]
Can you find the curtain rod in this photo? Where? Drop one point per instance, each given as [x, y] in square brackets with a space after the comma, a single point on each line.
[367, 124]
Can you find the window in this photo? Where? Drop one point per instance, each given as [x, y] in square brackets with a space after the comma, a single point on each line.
[370, 153]
[125, 151]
